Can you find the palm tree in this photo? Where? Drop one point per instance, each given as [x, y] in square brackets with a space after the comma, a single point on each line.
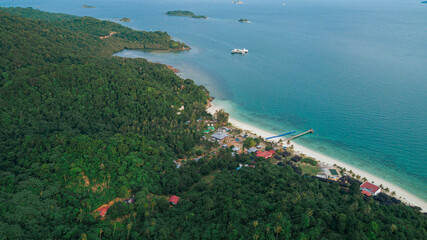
[255, 223]
[129, 227]
[393, 227]
[83, 236]
[100, 233]
[277, 230]
[256, 236]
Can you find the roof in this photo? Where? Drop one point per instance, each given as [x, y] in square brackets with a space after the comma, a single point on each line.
[102, 211]
[266, 154]
[220, 135]
[251, 150]
[366, 193]
[236, 149]
[370, 187]
[174, 199]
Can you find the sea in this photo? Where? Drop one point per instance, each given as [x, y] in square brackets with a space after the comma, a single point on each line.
[355, 71]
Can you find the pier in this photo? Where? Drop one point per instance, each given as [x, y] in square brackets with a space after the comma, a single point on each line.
[299, 135]
[280, 135]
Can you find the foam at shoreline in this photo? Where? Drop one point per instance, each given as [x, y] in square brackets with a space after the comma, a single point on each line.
[401, 194]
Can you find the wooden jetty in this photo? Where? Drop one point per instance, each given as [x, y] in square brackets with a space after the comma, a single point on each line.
[299, 135]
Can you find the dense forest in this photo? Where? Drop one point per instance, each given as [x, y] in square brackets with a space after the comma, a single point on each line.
[81, 128]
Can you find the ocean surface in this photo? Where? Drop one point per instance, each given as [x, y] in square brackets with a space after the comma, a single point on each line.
[355, 71]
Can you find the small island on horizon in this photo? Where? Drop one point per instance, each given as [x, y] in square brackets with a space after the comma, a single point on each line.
[424, 2]
[125, 20]
[87, 6]
[180, 13]
[243, 20]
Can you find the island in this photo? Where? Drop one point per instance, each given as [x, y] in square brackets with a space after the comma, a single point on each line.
[424, 2]
[237, 2]
[185, 14]
[125, 20]
[87, 6]
[243, 20]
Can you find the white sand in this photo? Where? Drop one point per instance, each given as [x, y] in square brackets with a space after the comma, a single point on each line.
[403, 195]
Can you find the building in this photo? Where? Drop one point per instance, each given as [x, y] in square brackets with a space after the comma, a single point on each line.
[266, 154]
[130, 200]
[252, 150]
[173, 200]
[370, 189]
[103, 210]
[219, 135]
[235, 149]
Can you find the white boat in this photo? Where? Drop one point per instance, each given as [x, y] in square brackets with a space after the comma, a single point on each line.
[239, 51]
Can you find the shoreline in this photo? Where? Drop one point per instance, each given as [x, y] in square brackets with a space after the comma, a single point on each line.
[401, 194]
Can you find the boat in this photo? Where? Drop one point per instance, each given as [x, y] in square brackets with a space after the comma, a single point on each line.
[239, 51]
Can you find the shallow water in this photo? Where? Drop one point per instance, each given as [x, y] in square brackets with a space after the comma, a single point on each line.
[354, 71]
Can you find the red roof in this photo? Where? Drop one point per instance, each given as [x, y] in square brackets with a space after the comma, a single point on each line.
[103, 211]
[369, 187]
[366, 193]
[266, 154]
[174, 199]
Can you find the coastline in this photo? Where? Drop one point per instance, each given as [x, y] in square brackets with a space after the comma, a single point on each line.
[401, 194]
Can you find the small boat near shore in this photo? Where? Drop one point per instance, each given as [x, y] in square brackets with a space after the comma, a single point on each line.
[239, 51]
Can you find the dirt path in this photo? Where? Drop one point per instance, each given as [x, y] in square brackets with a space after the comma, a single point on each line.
[109, 35]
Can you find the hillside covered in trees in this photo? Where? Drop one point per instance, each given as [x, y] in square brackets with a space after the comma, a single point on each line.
[80, 128]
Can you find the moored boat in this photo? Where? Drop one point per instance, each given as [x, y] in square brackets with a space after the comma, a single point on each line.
[239, 51]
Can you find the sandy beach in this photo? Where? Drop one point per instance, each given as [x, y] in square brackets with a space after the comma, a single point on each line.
[401, 194]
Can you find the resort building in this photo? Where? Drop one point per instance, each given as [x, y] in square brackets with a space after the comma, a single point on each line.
[266, 154]
[370, 189]
[219, 135]
[252, 150]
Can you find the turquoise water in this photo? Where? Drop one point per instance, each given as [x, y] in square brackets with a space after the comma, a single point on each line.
[355, 71]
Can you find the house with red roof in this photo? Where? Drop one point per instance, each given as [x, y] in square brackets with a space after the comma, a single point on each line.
[266, 154]
[103, 210]
[370, 189]
[173, 200]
